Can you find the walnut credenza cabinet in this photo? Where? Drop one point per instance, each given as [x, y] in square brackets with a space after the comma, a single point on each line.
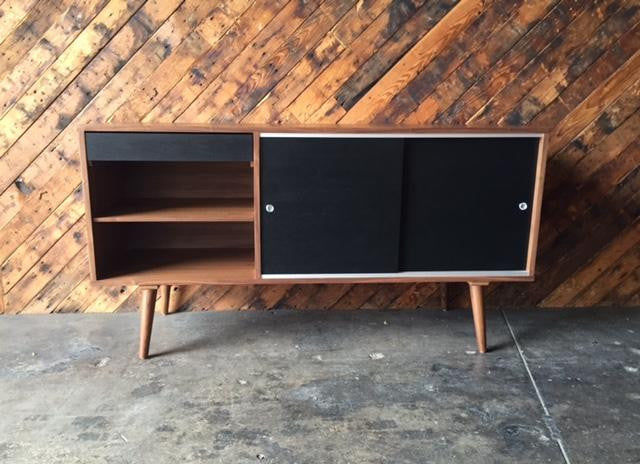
[180, 205]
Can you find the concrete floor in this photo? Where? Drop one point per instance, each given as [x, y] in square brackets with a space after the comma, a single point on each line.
[301, 387]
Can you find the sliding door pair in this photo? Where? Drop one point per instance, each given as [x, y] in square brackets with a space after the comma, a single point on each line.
[368, 205]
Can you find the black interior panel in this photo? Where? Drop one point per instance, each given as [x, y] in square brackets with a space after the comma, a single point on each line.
[336, 205]
[168, 146]
[461, 203]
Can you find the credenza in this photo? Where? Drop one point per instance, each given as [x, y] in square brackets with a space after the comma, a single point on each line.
[181, 205]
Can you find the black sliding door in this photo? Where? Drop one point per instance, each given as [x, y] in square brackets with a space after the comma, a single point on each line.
[467, 203]
[330, 205]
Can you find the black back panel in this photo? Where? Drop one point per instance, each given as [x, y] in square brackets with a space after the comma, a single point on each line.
[461, 203]
[336, 204]
[168, 146]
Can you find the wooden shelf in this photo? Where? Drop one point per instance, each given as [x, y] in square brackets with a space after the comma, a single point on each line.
[183, 267]
[181, 210]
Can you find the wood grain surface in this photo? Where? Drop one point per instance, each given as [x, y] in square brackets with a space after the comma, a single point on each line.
[572, 66]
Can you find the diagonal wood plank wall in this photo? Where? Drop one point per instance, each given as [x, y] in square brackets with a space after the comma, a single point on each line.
[572, 65]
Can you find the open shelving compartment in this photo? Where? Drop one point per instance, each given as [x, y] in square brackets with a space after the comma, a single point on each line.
[175, 219]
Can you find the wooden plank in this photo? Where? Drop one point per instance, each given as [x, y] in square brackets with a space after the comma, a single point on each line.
[12, 13]
[61, 177]
[385, 295]
[171, 71]
[609, 149]
[585, 191]
[412, 17]
[589, 80]
[600, 223]
[355, 297]
[468, 43]
[52, 229]
[414, 296]
[509, 65]
[63, 70]
[598, 100]
[626, 291]
[585, 83]
[414, 61]
[81, 296]
[327, 296]
[565, 293]
[214, 61]
[606, 123]
[271, 40]
[296, 296]
[111, 299]
[70, 103]
[50, 264]
[236, 297]
[20, 40]
[565, 72]
[59, 286]
[260, 83]
[75, 172]
[313, 64]
[497, 54]
[204, 296]
[563, 57]
[370, 36]
[608, 280]
[63, 31]
[303, 73]
[268, 297]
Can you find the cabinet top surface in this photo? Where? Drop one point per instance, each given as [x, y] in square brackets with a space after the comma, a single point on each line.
[323, 129]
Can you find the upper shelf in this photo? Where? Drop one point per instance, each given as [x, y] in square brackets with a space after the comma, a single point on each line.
[181, 210]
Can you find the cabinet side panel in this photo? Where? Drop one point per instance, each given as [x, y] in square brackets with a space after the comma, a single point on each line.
[537, 204]
[86, 193]
[256, 204]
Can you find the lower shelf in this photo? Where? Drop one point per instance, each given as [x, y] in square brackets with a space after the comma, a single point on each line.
[182, 266]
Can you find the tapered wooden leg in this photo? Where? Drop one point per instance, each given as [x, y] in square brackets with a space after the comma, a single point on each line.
[175, 298]
[147, 310]
[164, 299]
[477, 307]
[444, 297]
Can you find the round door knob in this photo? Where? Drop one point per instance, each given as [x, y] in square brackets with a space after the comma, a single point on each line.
[269, 208]
[523, 206]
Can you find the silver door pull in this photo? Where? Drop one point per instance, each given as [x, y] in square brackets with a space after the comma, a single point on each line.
[523, 206]
[269, 208]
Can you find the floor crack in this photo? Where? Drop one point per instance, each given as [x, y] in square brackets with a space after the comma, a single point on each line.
[547, 418]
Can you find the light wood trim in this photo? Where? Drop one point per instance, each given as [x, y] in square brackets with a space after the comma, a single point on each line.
[477, 307]
[147, 310]
[257, 205]
[536, 207]
[88, 216]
